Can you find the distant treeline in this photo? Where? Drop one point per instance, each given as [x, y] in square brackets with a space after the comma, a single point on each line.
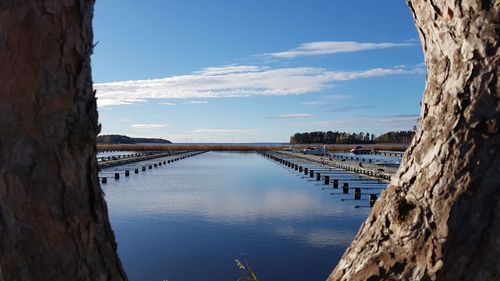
[119, 139]
[351, 138]
[396, 137]
[332, 138]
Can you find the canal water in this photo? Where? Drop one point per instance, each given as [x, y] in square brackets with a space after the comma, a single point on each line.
[191, 219]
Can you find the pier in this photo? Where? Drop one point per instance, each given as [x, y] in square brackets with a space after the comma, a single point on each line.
[367, 170]
[117, 160]
[140, 163]
[340, 179]
[359, 164]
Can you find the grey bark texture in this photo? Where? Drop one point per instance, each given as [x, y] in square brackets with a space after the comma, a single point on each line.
[440, 217]
[53, 218]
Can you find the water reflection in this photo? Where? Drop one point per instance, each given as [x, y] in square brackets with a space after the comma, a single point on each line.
[210, 209]
[317, 237]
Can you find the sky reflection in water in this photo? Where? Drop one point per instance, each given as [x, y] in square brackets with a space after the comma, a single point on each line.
[191, 219]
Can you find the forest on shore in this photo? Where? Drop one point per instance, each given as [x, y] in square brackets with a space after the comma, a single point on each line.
[120, 139]
[336, 137]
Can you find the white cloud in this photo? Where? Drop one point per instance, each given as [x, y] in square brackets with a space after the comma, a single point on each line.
[187, 138]
[118, 101]
[148, 127]
[198, 102]
[234, 81]
[333, 47]
[229, 69]
[224, 131]
[291, 116]
[168, 103]
[391, 122]
[328, 100]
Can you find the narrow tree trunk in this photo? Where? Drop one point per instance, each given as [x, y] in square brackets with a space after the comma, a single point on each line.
[53, 219]
[440, 217]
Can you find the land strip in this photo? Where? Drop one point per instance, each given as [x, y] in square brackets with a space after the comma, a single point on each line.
[241, 147]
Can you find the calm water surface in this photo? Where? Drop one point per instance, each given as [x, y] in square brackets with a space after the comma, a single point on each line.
[191, 219]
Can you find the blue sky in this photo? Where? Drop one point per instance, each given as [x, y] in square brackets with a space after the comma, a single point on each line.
[255, 71]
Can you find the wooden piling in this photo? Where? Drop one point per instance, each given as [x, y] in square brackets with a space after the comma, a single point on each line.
[357, 193]
[373, 199]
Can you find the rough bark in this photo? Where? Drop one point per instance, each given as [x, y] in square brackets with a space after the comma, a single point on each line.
[440, 217]
[53, 218]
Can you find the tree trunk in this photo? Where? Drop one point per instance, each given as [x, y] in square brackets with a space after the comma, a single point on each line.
[53, 218]
[440, 217]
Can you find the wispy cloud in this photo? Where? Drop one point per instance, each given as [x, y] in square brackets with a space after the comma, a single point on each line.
[234, 81]
[291, 116]
[229, 69]
[350, 108]
[390, 122]
[187, 138]
[328, 100]
[333, 47]
[168, 103]
[198, 102]
[223, 131]
[148, 127]
[313, 103]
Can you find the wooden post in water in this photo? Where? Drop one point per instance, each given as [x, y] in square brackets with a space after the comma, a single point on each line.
[373, 199]
[345, 188]
[357, 193]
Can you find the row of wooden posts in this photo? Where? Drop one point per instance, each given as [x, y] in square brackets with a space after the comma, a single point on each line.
[149, 166]
[320, 175]
[389, 153]
[356, 169]
[363, 171]
[123, 156]
[346, 157]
